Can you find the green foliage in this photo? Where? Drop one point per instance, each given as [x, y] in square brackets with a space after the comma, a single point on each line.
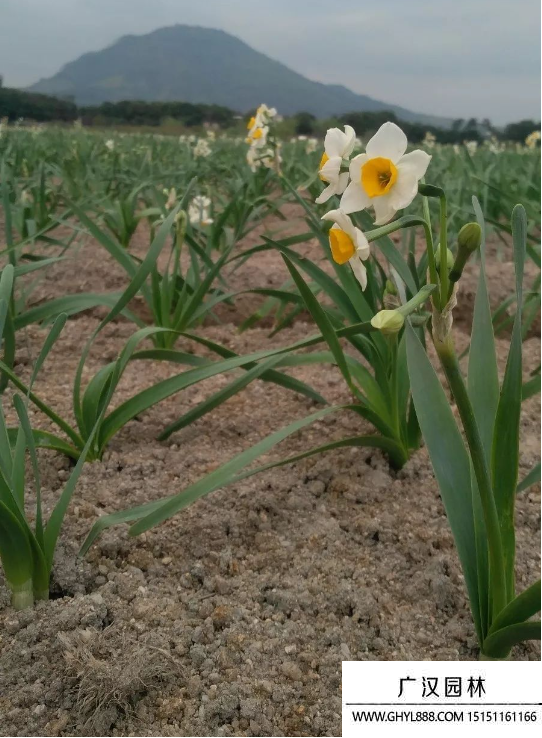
[478, 480]
[15, 104]
[26, 548]
[60, 189]
[139, 113]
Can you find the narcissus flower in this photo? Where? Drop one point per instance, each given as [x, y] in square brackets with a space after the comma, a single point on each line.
[264, 146]
[338, 145]
[198, 211]
[257, 136]
[264, 112]
[384, 177]
[348, 244]
[202, 148]
[532, 140]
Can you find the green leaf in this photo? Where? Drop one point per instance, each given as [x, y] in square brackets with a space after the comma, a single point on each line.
[386, 246]
[483, 376]
[217, 398]
[283, 380]
[69, 304]
[531, 387]
[321, 320]
[44, 439]
[522, 607]
[531, 478]
[75, 438]
[483, 389]
[54, 524]
[15, 550]
[138, 280]
[499, 644]
[449, 459]
[505, 452]
[25, 424]
[48, 344]
[155, 512]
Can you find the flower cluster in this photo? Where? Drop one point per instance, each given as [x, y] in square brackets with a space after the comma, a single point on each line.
[533, 140]
[264, 147]
[385, 178]
[429, 140]
[202, 149]
[198, 211]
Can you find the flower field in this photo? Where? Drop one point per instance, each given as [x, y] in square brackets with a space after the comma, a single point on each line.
[267, 405]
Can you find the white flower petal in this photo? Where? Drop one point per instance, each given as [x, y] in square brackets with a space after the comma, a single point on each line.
[324, 196]
[355, 167]
[354, 198]
[384, 210]
[350, 141]
[416, 162]
[389, 142]
[334, 142]
[404, 190]
[362, 245]
[331, 169]
[340, 218]
[343, 182]
[359, 270]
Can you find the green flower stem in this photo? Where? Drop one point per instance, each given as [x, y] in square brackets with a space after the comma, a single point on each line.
[443, 250]
[417, 301]
[394, 386]
[427, 191]
[457, 269]
[450, 364]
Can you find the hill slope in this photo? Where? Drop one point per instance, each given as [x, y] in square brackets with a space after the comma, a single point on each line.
[203, 65]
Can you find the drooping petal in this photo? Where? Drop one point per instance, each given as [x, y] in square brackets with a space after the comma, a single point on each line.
[340, 218]
[362, 245]
[388, 142]
[326, 194]
[416, 162]
[330, 171]
[354, 198]
[334, 142]
[359, 270]
[384, 210]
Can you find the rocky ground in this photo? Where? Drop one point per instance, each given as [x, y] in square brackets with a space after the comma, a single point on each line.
[233, 617]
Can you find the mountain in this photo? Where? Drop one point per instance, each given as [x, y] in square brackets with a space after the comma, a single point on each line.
[204, 65]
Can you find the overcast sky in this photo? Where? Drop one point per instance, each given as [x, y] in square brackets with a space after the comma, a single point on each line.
[457, 58]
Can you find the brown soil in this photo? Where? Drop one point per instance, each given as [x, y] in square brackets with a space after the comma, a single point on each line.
[233, 617]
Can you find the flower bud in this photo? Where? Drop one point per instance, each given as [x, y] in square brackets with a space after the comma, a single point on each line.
[388, 322]
[180, 228]
[449, 258]
[390, 287]
[469, 237]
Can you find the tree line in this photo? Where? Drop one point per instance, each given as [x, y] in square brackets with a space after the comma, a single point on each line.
[30, 106]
